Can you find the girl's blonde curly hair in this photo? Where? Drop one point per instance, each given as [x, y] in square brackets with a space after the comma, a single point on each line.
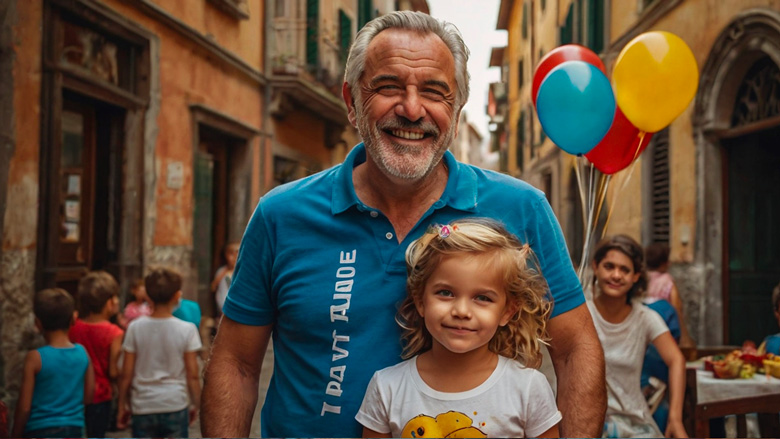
[526, 289]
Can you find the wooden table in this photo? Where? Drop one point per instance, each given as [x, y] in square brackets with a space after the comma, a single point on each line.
[707, 397]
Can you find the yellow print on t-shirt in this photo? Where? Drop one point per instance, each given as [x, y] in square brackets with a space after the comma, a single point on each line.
[446, 425]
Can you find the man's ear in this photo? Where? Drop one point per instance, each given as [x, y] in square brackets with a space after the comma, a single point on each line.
[38, 325]
[75, 317]
[346, 94]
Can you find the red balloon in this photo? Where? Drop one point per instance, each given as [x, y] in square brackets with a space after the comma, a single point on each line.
[619, 147]
[568, 52]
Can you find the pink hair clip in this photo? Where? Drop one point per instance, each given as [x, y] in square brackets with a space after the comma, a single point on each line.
[446, 230]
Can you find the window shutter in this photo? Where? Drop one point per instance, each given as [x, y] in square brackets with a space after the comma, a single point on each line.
[567, 34]
[660, 202]
[365, 13]
[345, 35]
[520, 140]
[312, 34]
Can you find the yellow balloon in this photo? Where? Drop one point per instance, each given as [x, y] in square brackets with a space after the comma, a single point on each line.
[655, 78]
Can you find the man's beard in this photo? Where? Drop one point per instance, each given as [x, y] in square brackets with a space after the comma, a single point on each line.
[411, 163]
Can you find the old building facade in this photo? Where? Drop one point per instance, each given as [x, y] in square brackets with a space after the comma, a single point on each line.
[707, 185]
[142, 132]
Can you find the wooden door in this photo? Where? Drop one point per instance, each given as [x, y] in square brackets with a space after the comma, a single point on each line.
[211, 210]
[753, 234]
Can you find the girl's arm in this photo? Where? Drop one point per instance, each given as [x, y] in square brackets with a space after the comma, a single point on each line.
[676, 363]
[367, 432]
[552, 432]
[32, 365]
[128, 369]
[193, 383]
[89, 384]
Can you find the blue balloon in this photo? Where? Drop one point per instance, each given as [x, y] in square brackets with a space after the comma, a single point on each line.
[576, 106]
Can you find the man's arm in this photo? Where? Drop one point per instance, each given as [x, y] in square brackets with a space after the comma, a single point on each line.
[578, 359]
[231, 379]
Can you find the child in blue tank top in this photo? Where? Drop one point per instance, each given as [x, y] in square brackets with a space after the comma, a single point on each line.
[58, 378]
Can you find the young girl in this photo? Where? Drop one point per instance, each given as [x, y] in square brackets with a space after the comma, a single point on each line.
[224, 275]
[661, 286]
[475, 313]
[139, 306]
[626, 328]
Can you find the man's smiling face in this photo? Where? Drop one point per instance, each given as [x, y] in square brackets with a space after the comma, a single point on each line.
[405, 108]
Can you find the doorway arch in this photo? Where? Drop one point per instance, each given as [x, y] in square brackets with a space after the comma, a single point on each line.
[752, 36]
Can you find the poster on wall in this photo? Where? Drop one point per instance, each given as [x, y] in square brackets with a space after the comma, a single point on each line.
[72, 210]
[71, 231]
[74, 184]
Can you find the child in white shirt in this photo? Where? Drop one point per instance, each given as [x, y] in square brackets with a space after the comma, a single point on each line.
[473, 321]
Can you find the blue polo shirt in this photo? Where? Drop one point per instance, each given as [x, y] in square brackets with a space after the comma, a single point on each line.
[328, 272]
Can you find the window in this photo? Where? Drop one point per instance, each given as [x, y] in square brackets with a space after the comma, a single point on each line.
[312, 34]
[345, 35]
[520, 72]
[547, 185]
[595, 28]
[567, 30]
[366, 13]
[520, 140]
[525, 20]
[659, 185]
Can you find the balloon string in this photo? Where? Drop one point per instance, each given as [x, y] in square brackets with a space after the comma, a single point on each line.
[592, 225]
[580, 185]
[587, 220]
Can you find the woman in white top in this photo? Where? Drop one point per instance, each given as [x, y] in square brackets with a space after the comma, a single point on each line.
[626, 328]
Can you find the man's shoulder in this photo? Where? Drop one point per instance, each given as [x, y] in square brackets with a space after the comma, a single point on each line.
[312, 186]
[500, 182]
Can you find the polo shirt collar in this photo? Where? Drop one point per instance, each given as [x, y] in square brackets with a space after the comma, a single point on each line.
[460, 193]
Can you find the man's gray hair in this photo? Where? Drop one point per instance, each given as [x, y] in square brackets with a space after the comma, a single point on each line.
[415, 21]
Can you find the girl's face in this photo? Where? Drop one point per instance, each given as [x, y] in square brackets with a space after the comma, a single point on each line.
[615, 274]
[231, 254]
[140, 294]
[464, 303]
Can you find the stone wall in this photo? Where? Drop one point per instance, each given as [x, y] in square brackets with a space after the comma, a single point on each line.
[17, 328]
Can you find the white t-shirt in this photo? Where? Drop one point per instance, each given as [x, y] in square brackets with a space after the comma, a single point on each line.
[624, 346]
[513, 402]
[160, 379]
[222, 291]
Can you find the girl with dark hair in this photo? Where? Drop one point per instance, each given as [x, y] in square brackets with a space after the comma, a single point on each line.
[625, 328]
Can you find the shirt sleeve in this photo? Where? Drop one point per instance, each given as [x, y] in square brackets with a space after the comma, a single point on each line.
[373, 411]
[547, 241]
[129, 342]
[655, 324]
[542, 413]
[250, 300]
[193, 338]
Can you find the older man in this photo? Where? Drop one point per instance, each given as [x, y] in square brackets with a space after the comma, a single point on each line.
[321, 266]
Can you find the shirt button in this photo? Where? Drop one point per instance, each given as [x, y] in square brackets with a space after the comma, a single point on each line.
[389, 235]
[374, 214]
